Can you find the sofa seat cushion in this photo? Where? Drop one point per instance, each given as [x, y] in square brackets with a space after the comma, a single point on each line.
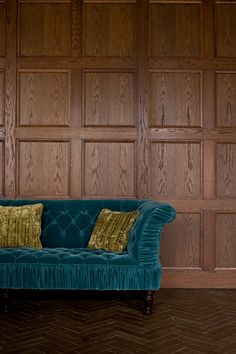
[64, 256]
[75, 268]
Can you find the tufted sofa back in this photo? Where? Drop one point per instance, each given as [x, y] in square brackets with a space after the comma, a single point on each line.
[69, 223]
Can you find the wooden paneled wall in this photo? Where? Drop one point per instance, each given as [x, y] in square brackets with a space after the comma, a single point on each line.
[128, 99]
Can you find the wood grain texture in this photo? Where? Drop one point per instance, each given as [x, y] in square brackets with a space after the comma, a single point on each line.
[226, 170]
[181, 242]
[142, 103]
[226, 240]
[226, 99]
[109, 99]
[87, 133]
[209, 172]
[43, 168]
[109, 169]
[175, 99]
[193, 205]
[44, 98]
[2, 29]
[208, 27]
[2, 168]
[174, 30]
[49, 62]
[175, 169]
[225, 30]
[75, 170]
[209, 244]
[199, 279]
[129, 99]
[76, 28]
[188, 134]
[44, 29]
[10, 101]
[43, 1]
[76, 109]
[2, 97]
[183, 321]
[209, 99]
[109, 29]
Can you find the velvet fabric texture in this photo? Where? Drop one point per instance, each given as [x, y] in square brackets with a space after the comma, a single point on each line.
[65, 262]
[85, 269]
[111, 231]
[20, 226]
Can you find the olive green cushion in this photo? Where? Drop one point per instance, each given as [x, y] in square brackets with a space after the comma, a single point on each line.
[20, 226]
[111, 231]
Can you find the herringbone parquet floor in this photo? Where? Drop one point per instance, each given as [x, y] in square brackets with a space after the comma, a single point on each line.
[183, 322]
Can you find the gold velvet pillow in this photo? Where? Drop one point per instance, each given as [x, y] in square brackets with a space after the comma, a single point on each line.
[111, 231]
[20, 226]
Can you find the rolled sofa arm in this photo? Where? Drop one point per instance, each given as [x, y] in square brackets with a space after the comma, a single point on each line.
[144, 240]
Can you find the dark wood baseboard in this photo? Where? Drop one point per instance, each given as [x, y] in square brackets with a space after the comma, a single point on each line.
[199, 279]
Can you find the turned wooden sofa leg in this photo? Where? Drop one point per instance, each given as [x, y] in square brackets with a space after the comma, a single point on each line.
[5, 300]
[149, 298]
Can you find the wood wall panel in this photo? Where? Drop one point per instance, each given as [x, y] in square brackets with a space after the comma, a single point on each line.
[226, 30]
[225, 240]
[43, 1]
[2, 96]
[174, 29]
[226, 170]
[181, 242]
[10, 100]
[128, 99]
[2, 168]
[44, 29]
[109, 169]
[226, 99]
[175, 99]
[109, 99]
[109, 29]
[43, 168]
[2, 29]
[175, 169]
[44, 98]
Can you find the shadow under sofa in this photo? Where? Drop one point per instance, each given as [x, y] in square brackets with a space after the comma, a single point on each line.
[65, 262]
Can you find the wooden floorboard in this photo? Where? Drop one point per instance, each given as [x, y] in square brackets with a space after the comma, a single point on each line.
[184, 321]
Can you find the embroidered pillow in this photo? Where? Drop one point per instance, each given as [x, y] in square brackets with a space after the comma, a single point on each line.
[111, 231]
[20, 226]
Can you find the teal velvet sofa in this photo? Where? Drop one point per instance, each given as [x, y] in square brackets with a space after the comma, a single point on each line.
[65, 262]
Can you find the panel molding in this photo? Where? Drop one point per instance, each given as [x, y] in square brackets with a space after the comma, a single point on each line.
[191, 134]
[55, 40]
[225, 30]
[187, 46]
[2, 168]
[10, 101]
[143, 173]
[184, 171]
[111, 170]
[226, 169]
[2, 29]
[43, 172]
[114, 89]
[182, 92]
[225, 99]
[182, 242]
[48, 88]
[2, 97]
[104, 37]
[225, 241]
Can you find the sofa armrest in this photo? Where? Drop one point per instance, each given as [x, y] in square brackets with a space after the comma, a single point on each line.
[144, 240]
